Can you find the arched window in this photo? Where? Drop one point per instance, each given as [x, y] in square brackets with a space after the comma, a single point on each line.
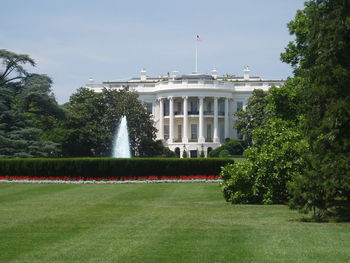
[177, 152]
[209, 150]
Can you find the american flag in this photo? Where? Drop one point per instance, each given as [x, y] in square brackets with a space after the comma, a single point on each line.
[199, 38]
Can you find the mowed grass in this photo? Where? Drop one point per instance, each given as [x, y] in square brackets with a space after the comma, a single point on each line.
[156, 223]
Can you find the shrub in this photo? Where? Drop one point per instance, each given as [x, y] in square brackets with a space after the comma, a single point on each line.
[224, 153]
[234, 147]
[238, 183]
[110, 167]
[270, 165]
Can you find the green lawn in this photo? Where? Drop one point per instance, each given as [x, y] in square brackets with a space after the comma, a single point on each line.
[156, 223]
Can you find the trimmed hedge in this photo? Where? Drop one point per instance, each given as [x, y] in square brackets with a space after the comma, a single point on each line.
[111, 167]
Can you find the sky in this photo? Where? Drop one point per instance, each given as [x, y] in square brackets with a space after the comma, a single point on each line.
[74, 40]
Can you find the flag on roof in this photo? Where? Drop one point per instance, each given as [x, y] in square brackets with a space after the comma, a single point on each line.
[199, 38]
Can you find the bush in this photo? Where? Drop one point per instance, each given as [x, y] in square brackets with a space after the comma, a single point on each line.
[150, 148]
[271, 163]
[110, 167]
[224, 153]
[238, 183]
[233, 147]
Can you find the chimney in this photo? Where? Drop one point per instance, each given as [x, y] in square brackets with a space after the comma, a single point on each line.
[214, 73]
[90, 82]
[143, 74]
[175, 74]
[246, 73]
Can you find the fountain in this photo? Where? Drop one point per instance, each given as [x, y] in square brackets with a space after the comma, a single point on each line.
[121, 145]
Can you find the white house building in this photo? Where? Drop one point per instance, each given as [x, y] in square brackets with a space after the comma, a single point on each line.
[192, 112]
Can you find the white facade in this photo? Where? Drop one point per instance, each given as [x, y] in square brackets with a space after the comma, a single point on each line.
[193, 112]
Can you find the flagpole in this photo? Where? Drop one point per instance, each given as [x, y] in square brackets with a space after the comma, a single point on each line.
[196, 58]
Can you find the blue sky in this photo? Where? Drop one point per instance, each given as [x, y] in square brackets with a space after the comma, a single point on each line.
[112, 40]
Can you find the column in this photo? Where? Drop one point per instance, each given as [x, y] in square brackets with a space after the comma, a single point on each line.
[231, 110]
[201, 120]
[216, 121]
[171, 119]
[185, 120]
[161, 119]
[227, 120]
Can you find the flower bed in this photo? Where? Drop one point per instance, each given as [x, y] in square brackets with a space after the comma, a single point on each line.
[119, 178]
[111, 180]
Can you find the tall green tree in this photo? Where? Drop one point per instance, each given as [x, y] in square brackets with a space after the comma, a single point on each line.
[19, 135]
[253, 116]
[274, 159]
[94, 117]
[12, 66]
[320, 55]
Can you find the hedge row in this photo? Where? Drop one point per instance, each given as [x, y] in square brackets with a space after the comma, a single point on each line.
[111, 167]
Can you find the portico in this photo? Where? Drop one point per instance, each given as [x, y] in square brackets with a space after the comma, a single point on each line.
[203, 113]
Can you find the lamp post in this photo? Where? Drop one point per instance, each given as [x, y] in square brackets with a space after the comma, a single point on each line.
[184, 153]
[202, 155]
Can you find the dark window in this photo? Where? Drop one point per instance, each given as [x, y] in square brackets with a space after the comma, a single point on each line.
[177, 152]
[209, 150]
[149, 107]
[194, 154]
[179, 108]
[194, 106]
[209, 106]
[166, 132]
[239, 105]
[221, 107]
[179, 131]
[194, 131]
[209, 131]
[166, 108]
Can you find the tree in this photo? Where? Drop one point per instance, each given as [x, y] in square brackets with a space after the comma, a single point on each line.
[125, 102]
[93, 119]
[150, 148]
[275, 157]
[85, 135]
[13, 66]
[19, 135]
[252, 116]
[320, 55]
[38, 103]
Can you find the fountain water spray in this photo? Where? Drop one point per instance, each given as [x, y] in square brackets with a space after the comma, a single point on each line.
[121, 144]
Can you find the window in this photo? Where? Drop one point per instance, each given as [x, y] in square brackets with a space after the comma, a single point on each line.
[209, 150]
[166, 108]
[166, 132]
[239, 105]
[221, 107]
[149, 107]
[209, 106]
[194, 131]
[239, 135]
[221, 132]
[179, 131]
[194, 106]
[178, 108]
[209, 132]
[194, 154]
[177, 152]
